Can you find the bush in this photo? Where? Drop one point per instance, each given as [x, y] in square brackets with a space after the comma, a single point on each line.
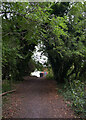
[75, 93]
[78, 96]
[50, 75]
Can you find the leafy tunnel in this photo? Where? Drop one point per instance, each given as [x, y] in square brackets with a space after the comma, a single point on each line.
[59, 26]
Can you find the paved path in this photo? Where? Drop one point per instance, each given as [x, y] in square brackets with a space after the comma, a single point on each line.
[37, 98]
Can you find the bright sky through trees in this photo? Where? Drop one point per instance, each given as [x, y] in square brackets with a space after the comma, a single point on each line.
[38, 56]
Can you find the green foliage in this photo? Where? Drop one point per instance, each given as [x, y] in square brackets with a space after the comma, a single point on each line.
[50, 75]
[6, 86]
[61, 28]
[19, 40]
[75, 93]
[31, 66]
[39, 66]
[64, 38]
[27, 24]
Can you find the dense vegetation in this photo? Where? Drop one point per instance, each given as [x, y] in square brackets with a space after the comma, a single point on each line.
[61, 27]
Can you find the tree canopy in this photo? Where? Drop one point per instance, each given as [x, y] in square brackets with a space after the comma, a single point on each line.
[59, 26]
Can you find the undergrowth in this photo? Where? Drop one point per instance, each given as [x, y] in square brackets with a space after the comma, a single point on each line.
[75, 92]
[50, 75]
[5, 86]
[8, 85]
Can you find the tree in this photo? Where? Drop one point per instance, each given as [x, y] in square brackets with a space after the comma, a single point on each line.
[19, 39]
[60, 26]
[65, 43]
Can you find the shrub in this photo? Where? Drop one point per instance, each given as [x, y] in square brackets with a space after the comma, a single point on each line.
[50, 74]
[75, 92]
